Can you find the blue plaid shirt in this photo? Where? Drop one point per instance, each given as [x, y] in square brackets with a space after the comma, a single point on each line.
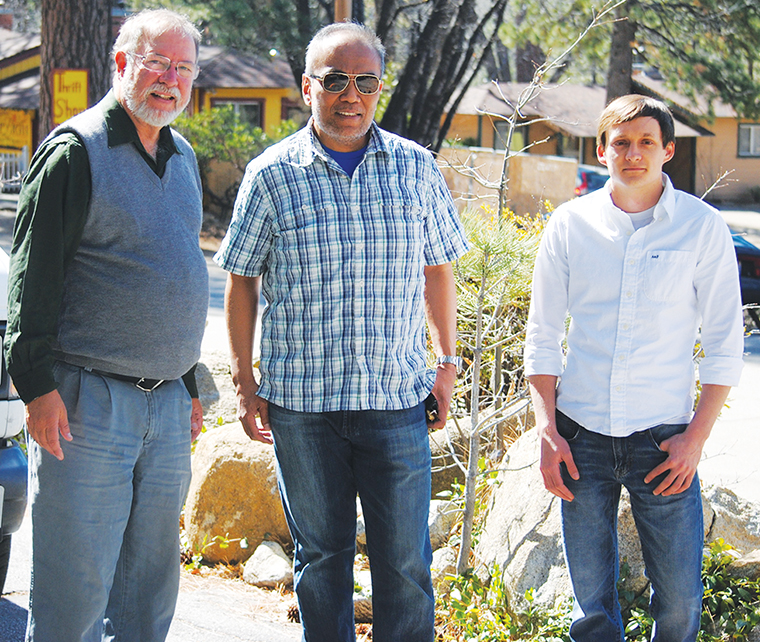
[343, 261]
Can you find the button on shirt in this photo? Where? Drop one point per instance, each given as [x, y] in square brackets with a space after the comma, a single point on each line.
[636, 300]
[342, 261]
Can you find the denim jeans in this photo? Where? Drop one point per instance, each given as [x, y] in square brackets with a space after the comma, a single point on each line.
[105, 520]
[324, 460]
[670, 530]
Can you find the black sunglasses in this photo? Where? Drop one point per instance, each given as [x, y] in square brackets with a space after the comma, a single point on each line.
[335, 82]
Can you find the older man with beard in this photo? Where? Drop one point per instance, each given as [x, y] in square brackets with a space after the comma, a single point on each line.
[107, 303]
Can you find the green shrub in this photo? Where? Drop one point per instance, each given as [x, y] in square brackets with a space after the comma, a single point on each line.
[219, 135]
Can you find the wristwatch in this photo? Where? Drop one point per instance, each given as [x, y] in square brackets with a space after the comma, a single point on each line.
[446, 358]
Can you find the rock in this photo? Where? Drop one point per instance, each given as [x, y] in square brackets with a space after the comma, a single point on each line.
[268, 567]
[233, 494]
[361, 529]
[746, 566]
[735, 520]
[523, 532]
[444, 564]
[445, 469]
[215, 388]
[362, 596]
[442, 517]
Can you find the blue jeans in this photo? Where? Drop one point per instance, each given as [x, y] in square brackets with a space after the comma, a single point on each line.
[105, 520]
[670, 530]
[324, 459]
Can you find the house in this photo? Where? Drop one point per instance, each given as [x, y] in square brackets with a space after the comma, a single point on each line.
[559, 121]
[734, 145]
[19, 100]
[261, 89]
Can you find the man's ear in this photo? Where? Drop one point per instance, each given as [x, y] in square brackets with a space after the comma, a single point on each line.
[670, 150]
[120, 58]
[306, 89]
[600, 155]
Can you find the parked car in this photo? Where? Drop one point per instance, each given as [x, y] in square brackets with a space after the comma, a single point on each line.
[748, 257]
[590, 178]
[13, 468]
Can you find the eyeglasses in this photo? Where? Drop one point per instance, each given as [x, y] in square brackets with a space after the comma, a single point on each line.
[336, 82]
[160, 64]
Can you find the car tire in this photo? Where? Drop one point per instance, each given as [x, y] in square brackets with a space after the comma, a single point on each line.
[5, 556]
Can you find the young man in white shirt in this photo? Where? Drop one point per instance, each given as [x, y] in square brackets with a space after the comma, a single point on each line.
[639, 267]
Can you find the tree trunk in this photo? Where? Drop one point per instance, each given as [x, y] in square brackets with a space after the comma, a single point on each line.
[621, 55]
[528, 59]
[76, 34]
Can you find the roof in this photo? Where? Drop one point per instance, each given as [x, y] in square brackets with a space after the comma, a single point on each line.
[12, 42]
[658, 88]
[21, 92]
[223, 67]
[572, 109]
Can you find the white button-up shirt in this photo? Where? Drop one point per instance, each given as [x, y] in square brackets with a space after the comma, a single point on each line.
[636, 300]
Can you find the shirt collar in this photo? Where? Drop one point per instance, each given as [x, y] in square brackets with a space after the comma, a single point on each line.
[312, 148]
[665, 207]
[121, 130]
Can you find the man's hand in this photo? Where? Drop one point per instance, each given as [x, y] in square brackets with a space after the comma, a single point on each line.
[443, 389]
[554, 448]
[685, 449]
[684, 453]
[250, 406]
[46, 417]
[196, 420]
[555, 451]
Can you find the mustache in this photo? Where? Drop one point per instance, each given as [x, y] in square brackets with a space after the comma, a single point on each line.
[163, 89]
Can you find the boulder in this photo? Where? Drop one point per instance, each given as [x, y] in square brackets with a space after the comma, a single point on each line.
[268, 567]
[441, 519]
[362, 596]
[445, 469]
[746, 566]
[523, 533]
[233, 494]
[735, 520]
[444, 564]
[215, 389]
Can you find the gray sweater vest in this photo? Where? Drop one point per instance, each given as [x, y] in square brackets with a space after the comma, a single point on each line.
[136, 293]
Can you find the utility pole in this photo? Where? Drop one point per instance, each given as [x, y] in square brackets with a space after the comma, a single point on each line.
[342, 10]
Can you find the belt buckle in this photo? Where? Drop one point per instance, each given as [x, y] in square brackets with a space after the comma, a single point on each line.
[140, 386]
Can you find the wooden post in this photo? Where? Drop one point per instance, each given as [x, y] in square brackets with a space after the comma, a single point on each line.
[342, 10]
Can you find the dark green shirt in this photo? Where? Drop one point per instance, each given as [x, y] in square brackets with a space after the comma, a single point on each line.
[52, 211]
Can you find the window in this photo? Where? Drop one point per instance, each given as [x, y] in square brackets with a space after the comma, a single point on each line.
[250, 111]
[749, 139]
[519, 136]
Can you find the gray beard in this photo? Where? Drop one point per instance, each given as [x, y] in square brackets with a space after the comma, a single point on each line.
[138, 106]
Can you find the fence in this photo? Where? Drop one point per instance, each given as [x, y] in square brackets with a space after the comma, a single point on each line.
[13, 166]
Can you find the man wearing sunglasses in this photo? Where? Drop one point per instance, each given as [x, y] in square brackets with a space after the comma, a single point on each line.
[107, 304]
[349, 231]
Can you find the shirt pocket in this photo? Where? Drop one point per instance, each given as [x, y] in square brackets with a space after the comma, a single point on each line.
[669, 275]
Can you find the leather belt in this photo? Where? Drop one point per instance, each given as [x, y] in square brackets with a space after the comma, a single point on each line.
[146, 385]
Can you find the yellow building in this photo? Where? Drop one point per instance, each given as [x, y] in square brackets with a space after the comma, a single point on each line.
[262, 90]
[559, 121]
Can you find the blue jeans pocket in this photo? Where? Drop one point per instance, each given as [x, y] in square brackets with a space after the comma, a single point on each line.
[566, 427]
[658, 434]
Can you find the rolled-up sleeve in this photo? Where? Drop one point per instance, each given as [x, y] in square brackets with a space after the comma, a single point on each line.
[549, 302]
[716, 281]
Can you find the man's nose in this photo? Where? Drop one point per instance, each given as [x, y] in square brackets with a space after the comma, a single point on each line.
[170, 76]
[634, 151]
[351, 93]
